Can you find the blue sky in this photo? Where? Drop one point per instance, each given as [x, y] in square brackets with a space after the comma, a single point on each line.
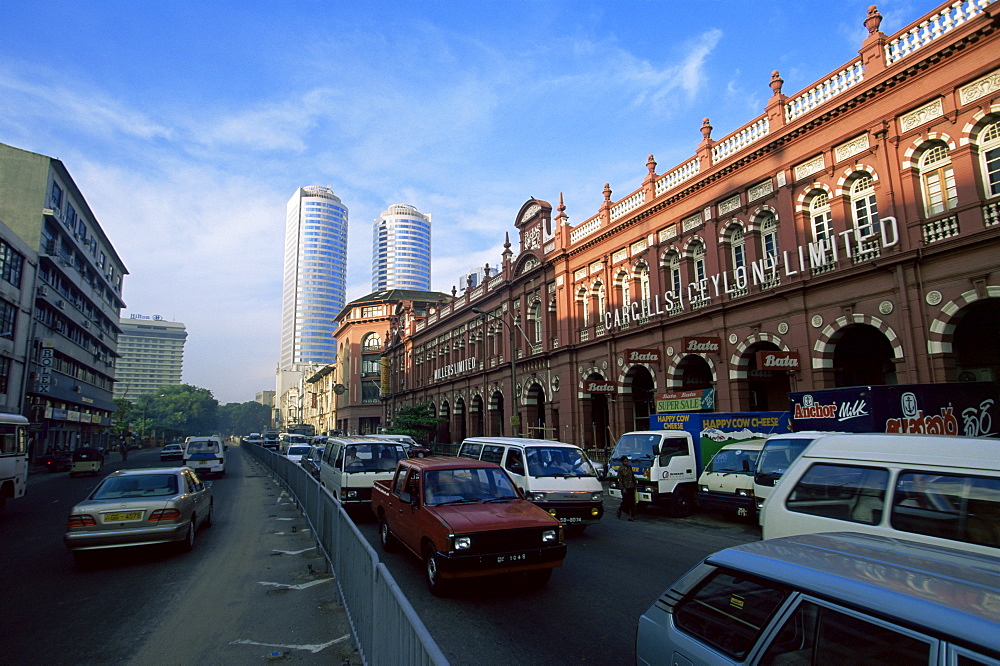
[188, 125]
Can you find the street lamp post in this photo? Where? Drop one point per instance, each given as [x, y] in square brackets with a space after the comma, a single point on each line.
[515, 419]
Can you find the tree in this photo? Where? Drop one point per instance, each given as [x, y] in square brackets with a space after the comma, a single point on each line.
[240, 418]
[176, 411]
[418, 421]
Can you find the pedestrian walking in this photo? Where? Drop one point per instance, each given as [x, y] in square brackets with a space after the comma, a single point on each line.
[124, 450]
[626, 482]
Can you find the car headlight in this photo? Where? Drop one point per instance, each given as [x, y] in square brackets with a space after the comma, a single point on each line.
[463, 543]
[536, 497]
[350, 494]
[550, 536]
[744, 492]
[703, 489]
[596, 497]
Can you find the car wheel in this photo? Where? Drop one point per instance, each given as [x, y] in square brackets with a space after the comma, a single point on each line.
[389, 542]
[539, 577]
[208, 519]
[188, 544]
[682, 504]
[437, 585]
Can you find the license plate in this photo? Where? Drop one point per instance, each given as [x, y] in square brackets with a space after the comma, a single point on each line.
[502, 559]
[122, 516]
[572, 520]
[205, 463]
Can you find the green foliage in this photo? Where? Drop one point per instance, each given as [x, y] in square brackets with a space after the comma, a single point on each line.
[241, 418]
[176, 411]
[418, 421]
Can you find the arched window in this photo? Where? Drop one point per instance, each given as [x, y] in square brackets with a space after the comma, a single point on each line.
[625, 284]
[642, 272]
[535, 321]
[989, 153]
[864, 207]
[769, 235]
[698, 271]
[371, 342]
[937, 178]
[737, 246]
[820, 218]
[584, 300]
[602, 300]
[673, 264]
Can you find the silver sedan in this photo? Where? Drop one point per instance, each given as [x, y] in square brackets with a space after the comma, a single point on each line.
[139, 507]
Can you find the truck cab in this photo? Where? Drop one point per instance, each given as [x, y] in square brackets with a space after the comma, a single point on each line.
[665, 465]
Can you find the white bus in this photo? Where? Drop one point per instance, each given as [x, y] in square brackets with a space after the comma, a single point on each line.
[13, 457]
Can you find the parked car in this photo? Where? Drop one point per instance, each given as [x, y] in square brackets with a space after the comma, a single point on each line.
[56, 461]
[311, 460]
[140, 507]
[87, 460]
[172, 452]
[833, 598]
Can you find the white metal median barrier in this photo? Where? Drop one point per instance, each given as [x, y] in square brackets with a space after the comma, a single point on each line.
[386, 628]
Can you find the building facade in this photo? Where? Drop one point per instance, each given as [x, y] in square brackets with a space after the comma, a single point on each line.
[18, 270]
[151, 355]
[72, 342]
[848, 235]
[353, 389]
[401, 250]
[314, 292]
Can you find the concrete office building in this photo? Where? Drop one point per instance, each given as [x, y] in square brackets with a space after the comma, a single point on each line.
[401, 250]
[151, 354]
[314, 291]
[848, 235]
[72, 346]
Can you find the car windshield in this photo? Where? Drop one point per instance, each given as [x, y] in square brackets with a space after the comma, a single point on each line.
[635, 446]
[203, 447]
[137, 485]
[456, 486]
[733, 460]
[558, 461]
[374, 457]
[778, 454]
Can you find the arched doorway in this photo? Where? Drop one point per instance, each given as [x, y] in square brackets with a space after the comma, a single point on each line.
[596, 420]
[534, 412]
[862, 356]
[478, 416]
[976, 342]
[444, 422]
[459, 427]
[639, 398]
[695, 373]
[496, 414]
[767, 389]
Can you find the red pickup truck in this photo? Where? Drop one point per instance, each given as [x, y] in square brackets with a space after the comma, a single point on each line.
[465, 518]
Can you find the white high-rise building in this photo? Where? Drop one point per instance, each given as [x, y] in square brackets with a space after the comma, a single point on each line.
[401, 249]
[151, 352]
[315, 278]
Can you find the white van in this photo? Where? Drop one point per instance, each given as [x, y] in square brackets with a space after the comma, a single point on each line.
[934, 489]
[556, 476]
[351, 465]
[205, 455]
[726, 484]
[778, 453]
[287, 439]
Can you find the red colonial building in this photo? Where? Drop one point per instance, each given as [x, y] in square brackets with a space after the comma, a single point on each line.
[848, 235]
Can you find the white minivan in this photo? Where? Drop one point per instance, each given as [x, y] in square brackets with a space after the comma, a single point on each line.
[556, 476]
[778, 453]
[935, 489]
[726, 483]
[205, 455]
[351, 465]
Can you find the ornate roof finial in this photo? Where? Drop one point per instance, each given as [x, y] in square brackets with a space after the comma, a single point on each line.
[776, 83]
[506, 246]
[454, 291]
[607, 191]
[706, 129]
[486, 270]
[561, 216]
[651, 164]
[874, 20]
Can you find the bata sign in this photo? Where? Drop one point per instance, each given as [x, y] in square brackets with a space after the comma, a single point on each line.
[825, 253]
[777, 360]
[599, 386]
[642, 355]
[702, 345]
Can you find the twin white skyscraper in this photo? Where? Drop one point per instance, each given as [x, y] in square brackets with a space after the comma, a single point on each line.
[315, 278]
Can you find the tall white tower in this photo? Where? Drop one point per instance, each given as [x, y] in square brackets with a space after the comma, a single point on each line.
[315, 278]
[401, 249]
